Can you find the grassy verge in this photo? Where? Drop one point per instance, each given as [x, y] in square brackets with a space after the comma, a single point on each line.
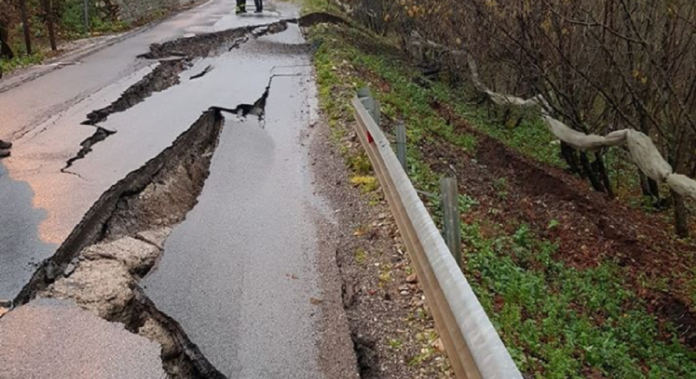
[557, 321]
[7, 66]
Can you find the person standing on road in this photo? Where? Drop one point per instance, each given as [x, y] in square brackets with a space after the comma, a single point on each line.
[241, 6]
[5, 149]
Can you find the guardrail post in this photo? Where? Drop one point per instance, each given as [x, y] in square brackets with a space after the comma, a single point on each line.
[369, 102]
[401, 145]
[449, 195]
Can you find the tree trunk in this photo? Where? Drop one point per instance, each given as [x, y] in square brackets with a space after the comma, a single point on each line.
[681, 222]
[589, 171]
[570, 156]
[601, 170]
[25, 23]
[48, 9]
[5, 49]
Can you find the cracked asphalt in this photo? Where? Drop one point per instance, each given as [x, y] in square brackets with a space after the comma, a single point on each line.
[241, 274]
[39, 204]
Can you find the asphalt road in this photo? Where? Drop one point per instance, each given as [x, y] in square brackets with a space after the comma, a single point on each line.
[65, 341]
[39, 204]
[241, 273]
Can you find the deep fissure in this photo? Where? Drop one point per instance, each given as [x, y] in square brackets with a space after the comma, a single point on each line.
[258, 108]
[99, 135]
[140, 210]
[207, 44]
[163, 77]
[120, 240]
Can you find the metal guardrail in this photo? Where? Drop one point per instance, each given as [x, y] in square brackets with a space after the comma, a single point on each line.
[472, 343]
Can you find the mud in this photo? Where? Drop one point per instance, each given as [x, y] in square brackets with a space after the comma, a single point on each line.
[120, 239]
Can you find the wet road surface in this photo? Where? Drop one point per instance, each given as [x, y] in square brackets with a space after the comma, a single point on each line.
[40, 204]
[246, 295]
[241, 273]
[65, 341]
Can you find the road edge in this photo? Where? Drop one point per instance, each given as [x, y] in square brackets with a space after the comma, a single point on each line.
[35, 72]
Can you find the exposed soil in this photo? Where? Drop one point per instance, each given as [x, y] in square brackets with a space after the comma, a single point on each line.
[393, 334]
[593, 228]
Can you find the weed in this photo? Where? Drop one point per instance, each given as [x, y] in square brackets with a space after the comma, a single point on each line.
[360, 164]
[553, 224]
[366, 184]
[360, 256]
[20, 61]
[395, 344]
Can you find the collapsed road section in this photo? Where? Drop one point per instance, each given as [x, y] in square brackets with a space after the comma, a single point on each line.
[122, 238]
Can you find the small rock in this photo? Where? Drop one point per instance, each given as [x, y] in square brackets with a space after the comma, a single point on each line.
[69, 270]
[404, 293]
[3, 311]
[413, 278]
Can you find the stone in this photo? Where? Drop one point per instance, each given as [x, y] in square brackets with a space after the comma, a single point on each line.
[154, 331]
[413, 278]
[138, 256]
[103, 287]
[69, 270]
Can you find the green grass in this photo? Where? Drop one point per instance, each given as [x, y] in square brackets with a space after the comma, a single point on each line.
[20, 61]
[557, 321]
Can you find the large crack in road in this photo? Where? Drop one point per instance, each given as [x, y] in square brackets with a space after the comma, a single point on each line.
[121, 238]
[163, 77]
